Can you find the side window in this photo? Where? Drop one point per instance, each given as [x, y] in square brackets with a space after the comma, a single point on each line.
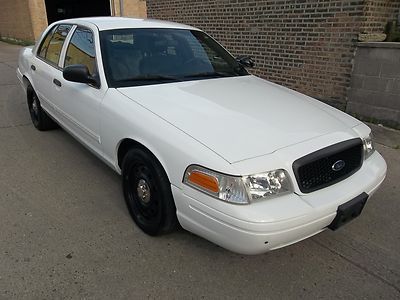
[81, 50]
[45, 43]
[52, 50]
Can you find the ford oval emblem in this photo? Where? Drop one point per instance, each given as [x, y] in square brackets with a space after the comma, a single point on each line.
[339, 165]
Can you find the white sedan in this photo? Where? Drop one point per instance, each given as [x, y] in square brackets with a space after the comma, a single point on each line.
[245, 163]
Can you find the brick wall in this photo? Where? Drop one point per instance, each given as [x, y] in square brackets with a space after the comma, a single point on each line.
[307, 45]
[375, 86]
[39, 17]
[378, 13]
[15, 20]
[131, 8]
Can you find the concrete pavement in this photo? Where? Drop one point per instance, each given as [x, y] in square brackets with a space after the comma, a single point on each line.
[65, 232]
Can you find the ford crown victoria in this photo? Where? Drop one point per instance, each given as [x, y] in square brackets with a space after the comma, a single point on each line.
[245, 163]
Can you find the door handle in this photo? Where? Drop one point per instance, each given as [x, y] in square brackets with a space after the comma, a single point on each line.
[57, 82]
[33, 67]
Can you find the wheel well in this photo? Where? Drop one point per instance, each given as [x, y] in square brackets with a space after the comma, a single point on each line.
[125, 146]
[26, 81]
[28, 86]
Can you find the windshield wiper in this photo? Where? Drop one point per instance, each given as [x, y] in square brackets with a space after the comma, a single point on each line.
[210, 74]
[150, 77]
[156, 77]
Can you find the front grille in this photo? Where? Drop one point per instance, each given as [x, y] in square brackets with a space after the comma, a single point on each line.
[316, 170]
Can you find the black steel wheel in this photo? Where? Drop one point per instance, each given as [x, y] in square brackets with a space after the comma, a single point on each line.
[147, 192]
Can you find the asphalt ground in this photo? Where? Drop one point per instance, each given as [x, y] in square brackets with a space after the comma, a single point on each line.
[65, 231]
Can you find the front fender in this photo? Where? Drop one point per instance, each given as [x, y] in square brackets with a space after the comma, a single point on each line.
[122, 117]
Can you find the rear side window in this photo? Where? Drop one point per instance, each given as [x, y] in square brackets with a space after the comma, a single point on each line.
[45, 44]
[81, 50]
[50, 49]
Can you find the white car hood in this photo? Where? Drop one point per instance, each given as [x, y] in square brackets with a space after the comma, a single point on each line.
[240, 117]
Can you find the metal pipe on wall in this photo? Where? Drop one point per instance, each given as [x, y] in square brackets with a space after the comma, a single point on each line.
[121, 8]
[112, 7]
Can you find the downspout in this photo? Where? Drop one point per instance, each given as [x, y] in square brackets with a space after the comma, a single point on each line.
[121, 8]
[112, 8]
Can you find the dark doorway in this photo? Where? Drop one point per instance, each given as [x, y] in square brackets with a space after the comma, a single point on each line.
[66, 9]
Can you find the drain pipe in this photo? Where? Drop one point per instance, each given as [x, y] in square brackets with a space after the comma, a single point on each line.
[121, 8]
[112, 8]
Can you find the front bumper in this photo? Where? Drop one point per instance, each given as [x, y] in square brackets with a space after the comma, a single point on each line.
[275, 223]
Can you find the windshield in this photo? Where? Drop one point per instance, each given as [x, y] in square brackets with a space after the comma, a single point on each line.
[151, 56]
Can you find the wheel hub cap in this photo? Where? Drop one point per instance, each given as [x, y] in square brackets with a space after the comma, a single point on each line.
[143, 191]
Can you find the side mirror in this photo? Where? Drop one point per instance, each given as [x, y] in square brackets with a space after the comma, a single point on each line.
[245, 61]
[80, 73]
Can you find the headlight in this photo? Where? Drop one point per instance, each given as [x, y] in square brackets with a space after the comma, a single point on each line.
[268, 184]
[369, 147]
[237, 189]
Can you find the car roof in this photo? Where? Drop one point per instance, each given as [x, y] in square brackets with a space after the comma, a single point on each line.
[107, 23]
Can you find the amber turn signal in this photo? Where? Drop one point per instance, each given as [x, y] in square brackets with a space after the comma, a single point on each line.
[205, 181]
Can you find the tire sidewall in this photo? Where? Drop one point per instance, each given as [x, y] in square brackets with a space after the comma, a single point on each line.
[37, 118]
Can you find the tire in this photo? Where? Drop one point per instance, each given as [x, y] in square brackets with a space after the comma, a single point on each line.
[39, 117]
[147, 193]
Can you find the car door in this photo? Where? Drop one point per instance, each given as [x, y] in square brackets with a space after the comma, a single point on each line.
[46, 64]
[79, 103]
